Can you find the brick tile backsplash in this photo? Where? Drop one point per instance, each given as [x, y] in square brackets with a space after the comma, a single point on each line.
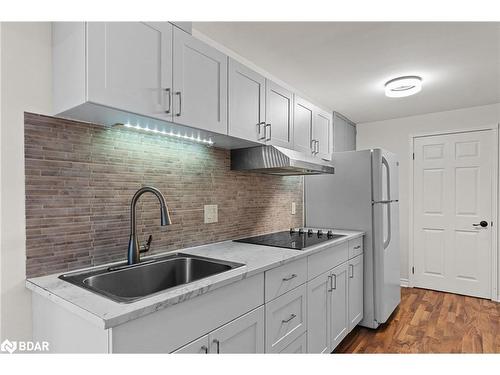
[81, 177]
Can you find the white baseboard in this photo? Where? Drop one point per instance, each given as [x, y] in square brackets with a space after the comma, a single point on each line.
[404, 283]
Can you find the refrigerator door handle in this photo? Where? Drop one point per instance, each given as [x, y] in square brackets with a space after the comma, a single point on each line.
[388, 176]
[388, 240]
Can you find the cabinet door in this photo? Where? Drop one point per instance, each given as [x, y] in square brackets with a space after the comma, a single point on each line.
[200, 84]
[199, 346]
[242, 335]
[279, 119]
[129, 66]
[350, 138]
[322, 134]
[318, 314]
[338, 134]
[246, 103]
[303, 114]
[338, 311]
[298, 346]
[355, 291]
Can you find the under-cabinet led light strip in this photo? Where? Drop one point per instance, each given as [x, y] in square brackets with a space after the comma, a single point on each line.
[178, 135]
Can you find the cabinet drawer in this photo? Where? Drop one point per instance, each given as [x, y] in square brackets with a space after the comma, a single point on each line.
[298, 346]
[285, 319]
[355, 247]
[282, 279]
[326, 260]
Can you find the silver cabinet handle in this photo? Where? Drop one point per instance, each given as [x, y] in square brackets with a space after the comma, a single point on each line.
[351, 271]
[260, 138]
[205, 349]
[289, 319]
[317, 147]
[169, 94]
[334, 282]
[178, 93]
[330, 283]
[313, 144]
[217, 343]
[265, 132]
[292, 276]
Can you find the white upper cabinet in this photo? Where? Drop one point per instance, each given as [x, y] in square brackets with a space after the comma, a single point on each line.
[279, 115]
[130, 66]
[322, 134]
[199, 84]
[303, 125]
[246, 103]
[344, 134]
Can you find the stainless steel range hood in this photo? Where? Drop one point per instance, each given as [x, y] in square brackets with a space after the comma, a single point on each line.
[278, 161]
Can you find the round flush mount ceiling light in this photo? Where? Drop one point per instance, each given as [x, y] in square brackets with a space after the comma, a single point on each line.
[403, 86]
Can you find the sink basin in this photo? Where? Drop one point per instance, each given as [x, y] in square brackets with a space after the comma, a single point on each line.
[127, 284]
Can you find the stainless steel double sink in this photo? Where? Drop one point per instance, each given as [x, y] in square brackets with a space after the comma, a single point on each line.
[127, 284]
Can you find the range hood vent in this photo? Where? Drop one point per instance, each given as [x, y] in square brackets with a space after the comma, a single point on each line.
[278, 161]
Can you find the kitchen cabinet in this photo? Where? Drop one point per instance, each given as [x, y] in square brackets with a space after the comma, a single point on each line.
[319, 313]
[303, 125]
[298, 346]
[129, 65]
[322, 133]
[246, 103]
[312, 129]
[344, 134]
[199, 96]
[339, 305]
[243, 335]
[285, 319]
[279, 115]
[355, 287]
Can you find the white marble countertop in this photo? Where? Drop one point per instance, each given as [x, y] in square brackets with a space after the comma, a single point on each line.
[107, 313]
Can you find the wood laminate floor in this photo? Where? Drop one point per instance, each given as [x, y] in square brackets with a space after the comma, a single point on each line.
[432, 322]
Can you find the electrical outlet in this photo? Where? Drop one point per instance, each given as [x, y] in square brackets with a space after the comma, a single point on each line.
[211, 213]
[294, 209]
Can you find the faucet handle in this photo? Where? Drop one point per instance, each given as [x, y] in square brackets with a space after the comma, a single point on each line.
[145, 248]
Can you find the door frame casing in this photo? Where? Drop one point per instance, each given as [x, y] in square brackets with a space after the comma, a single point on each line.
[494, 256]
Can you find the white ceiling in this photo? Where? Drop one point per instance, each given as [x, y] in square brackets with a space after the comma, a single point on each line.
[344, 66]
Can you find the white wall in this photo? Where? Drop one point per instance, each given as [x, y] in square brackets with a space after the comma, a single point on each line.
[25, 86]
[394, 135]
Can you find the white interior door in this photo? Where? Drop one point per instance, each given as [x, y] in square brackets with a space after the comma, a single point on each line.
[452, 197]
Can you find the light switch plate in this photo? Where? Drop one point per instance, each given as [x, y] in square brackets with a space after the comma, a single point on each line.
[294, 208]
[211, 213]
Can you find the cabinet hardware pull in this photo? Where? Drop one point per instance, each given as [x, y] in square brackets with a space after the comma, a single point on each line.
[217, 343]
[330, 282]
[357, 247]
[169, 94]
[265, 132]
[317, 147]
[290, 318]
[292, 276]
[205, 349]
[180, 103]
[313, 146]
[351, 271]
[260, 138]
[334, 282]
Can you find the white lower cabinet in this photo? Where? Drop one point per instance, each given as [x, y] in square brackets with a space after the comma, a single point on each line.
[285, 319]
[318, 314]
[355, 291]
[339, 324]
[199, 346]
[298, 346]
[243, 335]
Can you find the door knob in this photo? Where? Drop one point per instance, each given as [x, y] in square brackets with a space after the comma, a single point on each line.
[483, 224]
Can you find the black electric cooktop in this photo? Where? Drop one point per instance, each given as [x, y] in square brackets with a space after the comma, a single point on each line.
[292, 239]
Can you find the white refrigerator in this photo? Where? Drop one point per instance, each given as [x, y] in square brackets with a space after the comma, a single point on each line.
[363, 195]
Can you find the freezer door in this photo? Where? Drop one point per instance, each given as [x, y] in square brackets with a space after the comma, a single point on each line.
[386, 259]
[385, 176]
